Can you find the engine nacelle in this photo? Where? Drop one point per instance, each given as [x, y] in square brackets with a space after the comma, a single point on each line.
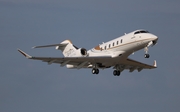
[81, 52]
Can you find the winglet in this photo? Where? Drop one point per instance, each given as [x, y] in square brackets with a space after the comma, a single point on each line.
[25, 54]
[155, 64]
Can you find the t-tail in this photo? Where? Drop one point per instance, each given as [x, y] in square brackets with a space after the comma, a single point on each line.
[68, 49]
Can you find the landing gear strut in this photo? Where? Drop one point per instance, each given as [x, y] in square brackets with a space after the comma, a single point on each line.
[146, 54]
[95, 71]
[116, 73]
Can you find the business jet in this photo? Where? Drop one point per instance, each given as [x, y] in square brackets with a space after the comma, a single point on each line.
[109, 54]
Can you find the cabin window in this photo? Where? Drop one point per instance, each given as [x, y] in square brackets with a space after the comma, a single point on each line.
[113, 43]
[109, 45]
[117, 42]
[121, 40]
[105, 47]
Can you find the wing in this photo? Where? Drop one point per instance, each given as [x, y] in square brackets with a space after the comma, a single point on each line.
[139, 64]
[78, 62]
[89, 62]
[135, 65]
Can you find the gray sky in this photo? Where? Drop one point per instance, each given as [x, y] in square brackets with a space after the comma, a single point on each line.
[33, 86]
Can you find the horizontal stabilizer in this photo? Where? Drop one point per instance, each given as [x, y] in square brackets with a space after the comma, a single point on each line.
[53, 45]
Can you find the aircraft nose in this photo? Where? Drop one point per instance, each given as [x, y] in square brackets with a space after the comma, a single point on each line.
[154, 39]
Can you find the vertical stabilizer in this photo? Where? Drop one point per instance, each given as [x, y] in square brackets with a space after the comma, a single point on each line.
[68, 49]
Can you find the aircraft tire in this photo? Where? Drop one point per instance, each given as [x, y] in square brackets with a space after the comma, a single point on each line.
[95, 71]
[146, 55]
[116, 73]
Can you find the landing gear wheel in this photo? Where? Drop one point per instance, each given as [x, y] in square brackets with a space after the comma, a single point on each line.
[95, 71]
[146, 55]
[146, 52]
[116, 73]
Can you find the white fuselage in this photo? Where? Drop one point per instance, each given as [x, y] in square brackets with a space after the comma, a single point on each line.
[126, 45]
[113, 53]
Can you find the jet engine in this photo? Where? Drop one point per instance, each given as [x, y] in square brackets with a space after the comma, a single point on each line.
[81, 52]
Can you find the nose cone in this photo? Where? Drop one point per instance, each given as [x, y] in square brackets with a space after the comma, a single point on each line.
[154, 39]
[151, 36]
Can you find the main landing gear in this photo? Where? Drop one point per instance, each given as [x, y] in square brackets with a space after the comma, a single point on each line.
[116, 73]
[95, 71]
[146, 54]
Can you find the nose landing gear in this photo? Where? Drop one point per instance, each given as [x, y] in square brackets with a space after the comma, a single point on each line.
[146, 54]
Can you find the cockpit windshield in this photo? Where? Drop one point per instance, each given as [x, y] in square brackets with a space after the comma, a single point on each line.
[141, 31]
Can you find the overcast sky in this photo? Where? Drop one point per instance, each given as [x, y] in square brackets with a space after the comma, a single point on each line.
[33, 86]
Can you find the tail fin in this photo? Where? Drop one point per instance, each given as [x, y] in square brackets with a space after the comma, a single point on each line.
[68, 49]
